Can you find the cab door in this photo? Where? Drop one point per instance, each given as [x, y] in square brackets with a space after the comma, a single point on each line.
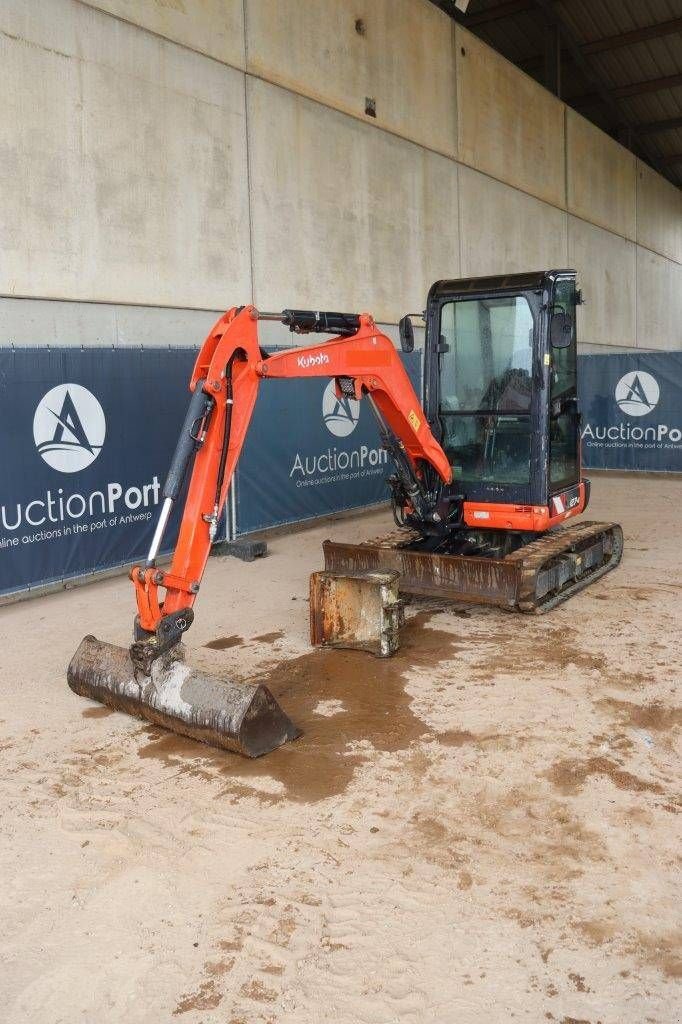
[564, 414]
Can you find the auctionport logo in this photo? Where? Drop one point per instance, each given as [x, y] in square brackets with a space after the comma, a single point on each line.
[637, 393]
[340, 415]
[69, 428]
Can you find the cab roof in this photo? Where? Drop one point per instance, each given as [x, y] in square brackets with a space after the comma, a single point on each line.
[531, 280]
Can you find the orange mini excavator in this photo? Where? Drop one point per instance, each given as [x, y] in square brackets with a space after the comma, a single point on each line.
[500, 410]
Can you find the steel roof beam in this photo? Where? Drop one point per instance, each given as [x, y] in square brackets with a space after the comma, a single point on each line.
[649, 85]
[625, 91]
[654, 127]
[608, 97]
[505, 10]
[637, 35]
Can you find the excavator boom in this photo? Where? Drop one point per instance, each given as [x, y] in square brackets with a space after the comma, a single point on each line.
[149, 679]
[224, 384]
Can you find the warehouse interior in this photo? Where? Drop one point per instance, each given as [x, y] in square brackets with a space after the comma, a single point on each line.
[482, 825]
[146, 136]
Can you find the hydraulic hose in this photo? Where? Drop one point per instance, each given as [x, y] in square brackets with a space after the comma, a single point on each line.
[200, 406]
[229, 403]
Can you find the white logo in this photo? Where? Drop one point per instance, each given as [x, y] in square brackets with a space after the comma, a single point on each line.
[69, 428]
[637, 393]
[340, 415]
[319, 360]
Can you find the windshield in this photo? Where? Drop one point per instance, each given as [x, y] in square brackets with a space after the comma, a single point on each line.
[489, 359]
[485, 388]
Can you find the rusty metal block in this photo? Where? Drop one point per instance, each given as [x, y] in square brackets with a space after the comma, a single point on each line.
[362, 611]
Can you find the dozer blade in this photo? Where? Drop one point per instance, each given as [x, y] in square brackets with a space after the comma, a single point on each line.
[244, 718]
[533, 579]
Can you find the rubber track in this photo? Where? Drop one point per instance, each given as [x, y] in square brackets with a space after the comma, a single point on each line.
[535, 556]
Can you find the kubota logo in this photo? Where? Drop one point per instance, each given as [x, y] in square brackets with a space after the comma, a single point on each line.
[340, 415]
[319, 360]
[69, 428]
[637, 393]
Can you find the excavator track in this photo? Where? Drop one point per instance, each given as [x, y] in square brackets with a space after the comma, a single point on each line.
[533, 579]
[563, 562]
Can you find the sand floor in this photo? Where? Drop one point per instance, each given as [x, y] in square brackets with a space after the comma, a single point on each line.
[483, 829]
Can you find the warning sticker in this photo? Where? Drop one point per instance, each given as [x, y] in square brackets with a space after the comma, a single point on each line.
[414, 420]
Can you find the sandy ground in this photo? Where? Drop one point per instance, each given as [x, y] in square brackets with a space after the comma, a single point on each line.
[482, 829]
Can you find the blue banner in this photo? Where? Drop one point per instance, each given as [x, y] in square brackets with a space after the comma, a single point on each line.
[309, 453]
[88, 435]
[631, 411]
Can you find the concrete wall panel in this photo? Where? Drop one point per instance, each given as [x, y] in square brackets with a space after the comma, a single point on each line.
[659, 213]
[506, 231]
[213, 27]
[606, 267]
[403, 58]
[36, 322]
[344, 216]
[659, 302]
[509, 126]
[123, 161]
[601, 176]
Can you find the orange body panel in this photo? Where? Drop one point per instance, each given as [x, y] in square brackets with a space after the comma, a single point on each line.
[532, 518]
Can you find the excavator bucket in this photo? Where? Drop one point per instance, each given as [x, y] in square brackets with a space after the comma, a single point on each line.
[241, 717]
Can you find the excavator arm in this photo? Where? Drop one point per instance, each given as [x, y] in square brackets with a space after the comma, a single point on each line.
[224, 386]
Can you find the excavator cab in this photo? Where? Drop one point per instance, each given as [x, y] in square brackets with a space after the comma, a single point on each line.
[500, 395]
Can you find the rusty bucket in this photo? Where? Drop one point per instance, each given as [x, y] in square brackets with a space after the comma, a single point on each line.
[242, 717]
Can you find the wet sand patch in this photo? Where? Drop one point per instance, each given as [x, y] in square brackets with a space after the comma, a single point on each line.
[223, 643]
[376, 709]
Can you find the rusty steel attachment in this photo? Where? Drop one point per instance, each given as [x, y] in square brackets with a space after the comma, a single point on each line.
[534, 578]
[360, 611]
[244, 718]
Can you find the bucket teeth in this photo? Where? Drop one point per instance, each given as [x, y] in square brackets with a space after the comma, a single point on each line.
[241, 717]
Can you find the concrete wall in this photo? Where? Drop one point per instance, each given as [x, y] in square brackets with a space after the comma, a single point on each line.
[509, 126]
[600, 177]
[363, 254]
[607, 264]
[212, 27]
[504, 230]
[194, 155]
[401, 55]
[122, 160]
[659, 214]
[658, 301]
